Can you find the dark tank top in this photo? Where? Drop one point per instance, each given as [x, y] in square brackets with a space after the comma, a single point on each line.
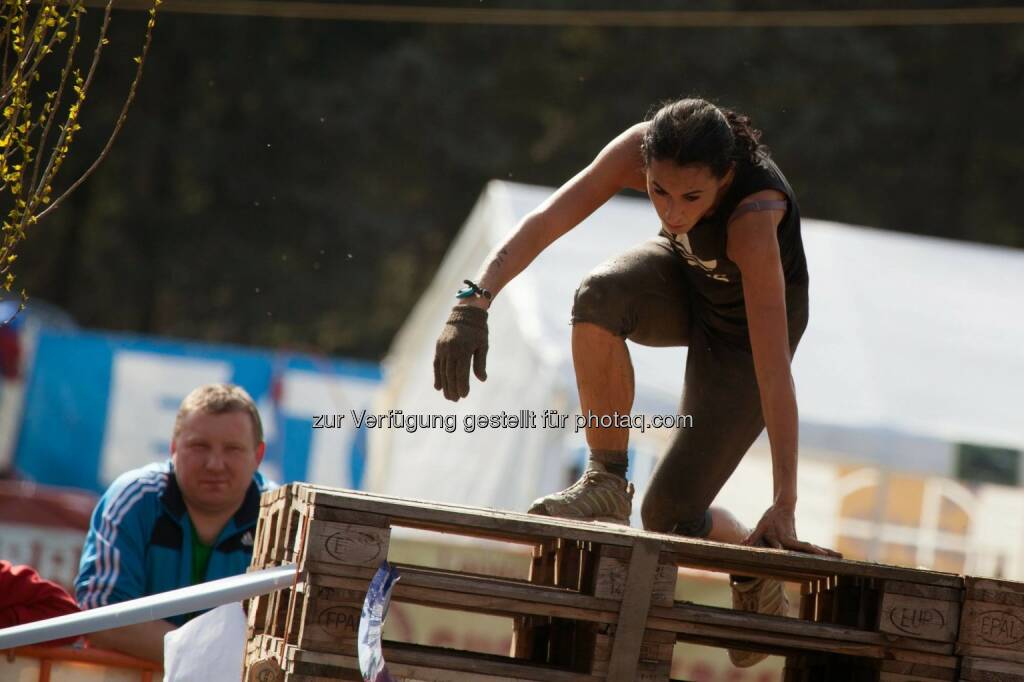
[714, 279]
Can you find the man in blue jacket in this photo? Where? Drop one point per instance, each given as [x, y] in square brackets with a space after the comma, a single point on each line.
[177, 523]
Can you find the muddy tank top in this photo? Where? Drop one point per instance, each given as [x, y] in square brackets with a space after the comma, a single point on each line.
[715, 280]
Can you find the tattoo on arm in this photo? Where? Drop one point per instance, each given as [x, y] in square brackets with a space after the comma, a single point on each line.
[499, 259]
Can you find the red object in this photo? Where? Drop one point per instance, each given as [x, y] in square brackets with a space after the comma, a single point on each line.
[25, 598]
[10, 352]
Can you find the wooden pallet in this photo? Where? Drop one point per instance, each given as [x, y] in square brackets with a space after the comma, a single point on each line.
[598, 603]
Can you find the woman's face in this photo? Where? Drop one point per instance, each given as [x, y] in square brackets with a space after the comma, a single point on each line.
[682, 195]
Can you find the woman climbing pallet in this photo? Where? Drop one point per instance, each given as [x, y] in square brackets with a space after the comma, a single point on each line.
[726, 277]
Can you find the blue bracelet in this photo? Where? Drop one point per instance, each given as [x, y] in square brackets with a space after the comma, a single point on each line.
[472, 290]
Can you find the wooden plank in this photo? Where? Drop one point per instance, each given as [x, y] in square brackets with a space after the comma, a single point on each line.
[264, 670]
[280, 603]
[276, 528]
[992, 622]
[513, 526]
[329, 544]
[330, 619]
[612, 571]
[508, 603]
[922, 617]
[450, 589]
[766, 641]
[469, 521]
[636, 602]
[527, 638]
[923, 591]
[443, 665]
[901, 671]
[652, 671]
[985, 670]
[655, 647]
[734, 627]
[256, 614]
[345, 516]
[992, 653]
[564, 634]
[993, 625]
[792, 566]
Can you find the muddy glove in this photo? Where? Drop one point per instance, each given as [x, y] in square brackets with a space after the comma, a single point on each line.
[463, 339]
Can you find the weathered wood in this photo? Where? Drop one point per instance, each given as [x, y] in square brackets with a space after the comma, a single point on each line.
[613, 569]
[280, 602]
[922, 617]
[817, 667]
[277, 527]
[597, 606]
[498, 597]
[330, 544]
[265, 670]
[344, 516]
[655, 647]
[992, 653]
[512, 526]
[903, 671]
[527, 636]
[636, 602]
[987, 670]
[435, 664]
[330, 618]
[992, 621]
[256, 614]
[734, 627]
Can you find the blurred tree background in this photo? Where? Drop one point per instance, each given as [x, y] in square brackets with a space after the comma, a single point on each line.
[295, 183]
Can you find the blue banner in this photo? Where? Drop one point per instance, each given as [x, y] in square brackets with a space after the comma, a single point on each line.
[97, 405]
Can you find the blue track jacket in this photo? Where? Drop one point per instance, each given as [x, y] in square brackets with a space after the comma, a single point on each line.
[140, 540]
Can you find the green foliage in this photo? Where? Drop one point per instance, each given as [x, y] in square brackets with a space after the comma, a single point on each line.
[36, 103]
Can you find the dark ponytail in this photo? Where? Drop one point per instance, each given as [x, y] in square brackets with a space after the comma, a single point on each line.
[695, 131]
[748, 138]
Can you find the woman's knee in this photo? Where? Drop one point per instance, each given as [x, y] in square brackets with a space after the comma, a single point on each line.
[671, 505]
[663, 513]
[601, 299]
[655, 512]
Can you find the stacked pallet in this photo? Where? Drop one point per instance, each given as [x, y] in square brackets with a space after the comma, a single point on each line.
[991, 638]
[599, 602]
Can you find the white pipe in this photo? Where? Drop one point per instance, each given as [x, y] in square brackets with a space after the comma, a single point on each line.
[154, 607]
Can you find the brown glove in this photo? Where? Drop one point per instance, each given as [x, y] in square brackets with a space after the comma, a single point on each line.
[463, 338]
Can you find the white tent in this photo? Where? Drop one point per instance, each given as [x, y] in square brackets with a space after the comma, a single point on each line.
[914, 344]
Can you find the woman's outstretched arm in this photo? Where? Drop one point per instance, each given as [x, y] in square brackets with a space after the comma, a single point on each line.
[463, 341]
[753, 245]
[618, 166]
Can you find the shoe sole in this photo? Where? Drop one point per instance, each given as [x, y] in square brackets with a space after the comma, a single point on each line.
[599, 519]
[610, 519]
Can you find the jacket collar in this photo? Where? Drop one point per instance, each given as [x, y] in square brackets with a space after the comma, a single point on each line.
[245, 516]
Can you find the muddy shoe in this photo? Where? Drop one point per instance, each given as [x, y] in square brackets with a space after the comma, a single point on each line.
[597, 496]
[762, 595]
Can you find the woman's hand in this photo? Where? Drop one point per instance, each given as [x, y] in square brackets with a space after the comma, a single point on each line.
[463, 341]
[777, 528]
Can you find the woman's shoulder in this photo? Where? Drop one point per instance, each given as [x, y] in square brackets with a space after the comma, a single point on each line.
[758, 175]
[624, 157]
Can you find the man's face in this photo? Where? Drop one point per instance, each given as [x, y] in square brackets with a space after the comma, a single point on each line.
[215, 457]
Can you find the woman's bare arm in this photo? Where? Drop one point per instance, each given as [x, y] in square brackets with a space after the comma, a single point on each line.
[753, 245]
[618, 166]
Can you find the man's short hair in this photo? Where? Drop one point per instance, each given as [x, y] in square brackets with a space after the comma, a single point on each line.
[220, 399]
